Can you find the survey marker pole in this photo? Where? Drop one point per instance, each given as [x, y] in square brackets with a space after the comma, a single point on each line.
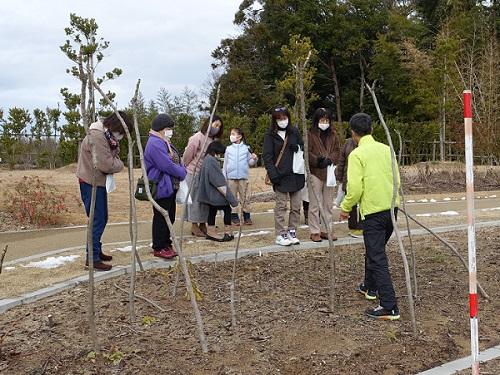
[471, 233]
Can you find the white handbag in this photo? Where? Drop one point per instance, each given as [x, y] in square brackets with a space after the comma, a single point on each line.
[298, 162]
[331, 181]
[182, 193]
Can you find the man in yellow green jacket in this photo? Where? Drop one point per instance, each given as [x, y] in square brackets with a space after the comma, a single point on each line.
[370, 182]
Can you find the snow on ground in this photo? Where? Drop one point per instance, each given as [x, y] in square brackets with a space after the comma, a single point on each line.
[9, 268]
[449, 213]
[423, 215]
[423, 200]
[260, 233]
[410, 201]
[491, 209]
[126, 249]
[52, 262]
[447, 199]
[432, 200]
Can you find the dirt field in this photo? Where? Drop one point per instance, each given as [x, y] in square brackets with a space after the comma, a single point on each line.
[284, 325]
[417, 179]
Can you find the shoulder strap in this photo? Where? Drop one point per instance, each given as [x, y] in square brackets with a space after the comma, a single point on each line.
[282, 151]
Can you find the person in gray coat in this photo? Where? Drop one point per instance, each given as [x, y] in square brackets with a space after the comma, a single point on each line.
[214, 192]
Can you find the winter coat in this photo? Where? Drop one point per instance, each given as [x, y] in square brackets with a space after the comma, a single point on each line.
[341, 171]
[193, 150]
[329, 149]
[158, 160]
[211, 178]
[108, 160]
[237, 161]
[282, 176]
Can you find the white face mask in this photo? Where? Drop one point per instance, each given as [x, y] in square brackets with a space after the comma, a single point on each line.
[169, 133]
[323, 125]
[234, 138]
[118, 136]
[282, 123]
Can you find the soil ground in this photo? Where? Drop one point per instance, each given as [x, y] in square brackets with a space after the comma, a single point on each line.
[284, 323]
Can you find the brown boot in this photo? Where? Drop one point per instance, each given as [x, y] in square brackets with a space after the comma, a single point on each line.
[105, 258]
[324, 236]
[196, 231]
[99, 266]
[315, 237]
[203, 227]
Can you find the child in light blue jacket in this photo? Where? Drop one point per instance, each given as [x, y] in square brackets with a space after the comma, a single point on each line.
[237, 160]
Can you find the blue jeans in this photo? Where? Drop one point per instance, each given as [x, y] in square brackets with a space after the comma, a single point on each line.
[100, 215]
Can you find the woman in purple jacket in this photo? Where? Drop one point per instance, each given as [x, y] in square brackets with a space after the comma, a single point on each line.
[163, 164]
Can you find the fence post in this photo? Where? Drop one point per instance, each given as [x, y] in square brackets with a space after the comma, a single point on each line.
[471, 233]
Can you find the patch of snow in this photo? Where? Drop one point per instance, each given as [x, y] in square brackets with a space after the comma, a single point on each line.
[52, 262]
[410, 201]
[491, 209]
[260, 233]
[9, 268]
[449, 213]
[447, 199]
[463, 198]
[190, 242]
[492, 196]
[423, 215]
[270, 210]
[304, 227]
[126, 249]
[423, 200]
[433, 200]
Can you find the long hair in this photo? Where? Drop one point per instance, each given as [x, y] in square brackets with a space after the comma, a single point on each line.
[319, 114]
[274, 117]
[204, 127]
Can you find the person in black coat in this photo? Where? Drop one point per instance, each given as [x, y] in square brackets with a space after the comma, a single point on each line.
[282, 136]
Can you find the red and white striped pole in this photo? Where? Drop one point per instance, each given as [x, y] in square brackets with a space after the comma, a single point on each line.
[471, 233]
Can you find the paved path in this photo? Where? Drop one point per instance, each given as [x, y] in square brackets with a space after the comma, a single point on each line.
[29, 243]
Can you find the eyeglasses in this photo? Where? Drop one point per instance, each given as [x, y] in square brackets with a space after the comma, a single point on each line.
[280, 109]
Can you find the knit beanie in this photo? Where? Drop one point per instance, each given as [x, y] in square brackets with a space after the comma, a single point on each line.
[161, 122]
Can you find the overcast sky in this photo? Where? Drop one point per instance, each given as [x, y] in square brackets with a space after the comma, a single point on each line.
[166, 43]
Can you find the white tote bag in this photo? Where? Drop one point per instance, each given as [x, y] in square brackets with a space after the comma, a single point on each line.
[298, 162]
[331, 181]
[340, 195]
[110, 183]
[182, 193]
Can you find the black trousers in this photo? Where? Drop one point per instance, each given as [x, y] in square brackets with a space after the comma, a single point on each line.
[161, 233]
[377, 229]
[212, 212]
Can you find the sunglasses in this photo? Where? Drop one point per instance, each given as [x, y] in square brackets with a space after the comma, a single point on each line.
[280, 109]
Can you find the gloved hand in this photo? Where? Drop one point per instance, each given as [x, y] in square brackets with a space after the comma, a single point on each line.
[276, 180]
[294, 147]
[325, 163]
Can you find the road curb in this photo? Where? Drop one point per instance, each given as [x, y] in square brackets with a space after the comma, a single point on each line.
[9, 303]
[453, 367]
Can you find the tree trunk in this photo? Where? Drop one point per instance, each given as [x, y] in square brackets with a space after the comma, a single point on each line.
[337, 90]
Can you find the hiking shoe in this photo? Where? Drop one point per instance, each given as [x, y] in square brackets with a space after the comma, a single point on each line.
[99, 266]
[356, 233]
[292, 236]
[170, 252]
[227, 237]
[370, 295]
[380, 313]
[246, 218]
[105, 258]
[283, 240]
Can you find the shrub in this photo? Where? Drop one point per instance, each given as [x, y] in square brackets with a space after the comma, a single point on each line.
[35, 202]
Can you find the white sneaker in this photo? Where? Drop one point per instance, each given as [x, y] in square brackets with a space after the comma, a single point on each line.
[283, 240]
[292, 236]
